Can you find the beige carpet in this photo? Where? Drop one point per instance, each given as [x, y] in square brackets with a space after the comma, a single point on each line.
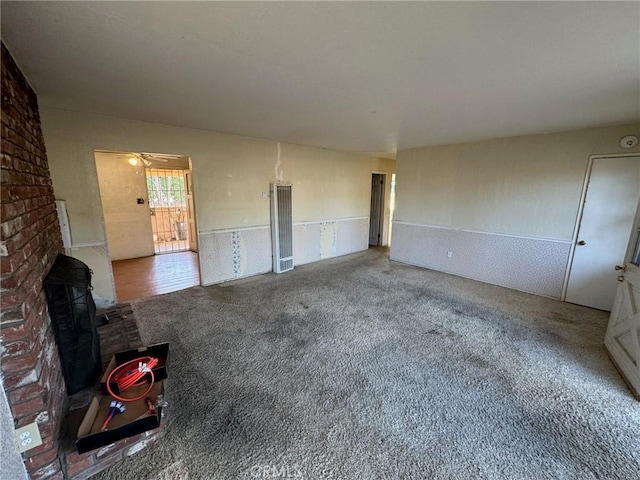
[362, 368]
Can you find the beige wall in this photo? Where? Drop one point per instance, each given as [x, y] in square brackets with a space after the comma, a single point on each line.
[127, 223]
[96, 256]
[527, 186]
[328, 184]
[501, 211]
[230, 173]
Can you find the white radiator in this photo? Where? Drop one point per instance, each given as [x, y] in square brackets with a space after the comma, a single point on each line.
[281, 228]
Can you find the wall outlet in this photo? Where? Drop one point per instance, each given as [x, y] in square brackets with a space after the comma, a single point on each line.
[28, 437]
[449, 254]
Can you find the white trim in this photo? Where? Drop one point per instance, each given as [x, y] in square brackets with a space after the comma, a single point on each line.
[331, 220]
[576, 227]
[583, 196]
[529, 237]
[100, 243]
[229, 230]
[258, 227]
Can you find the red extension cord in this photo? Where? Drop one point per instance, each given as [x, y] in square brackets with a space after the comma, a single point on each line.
[132, 374]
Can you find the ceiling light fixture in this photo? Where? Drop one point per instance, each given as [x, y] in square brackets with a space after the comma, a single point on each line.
[133, 161]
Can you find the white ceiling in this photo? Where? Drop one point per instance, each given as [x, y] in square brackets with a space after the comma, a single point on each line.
[356, 76]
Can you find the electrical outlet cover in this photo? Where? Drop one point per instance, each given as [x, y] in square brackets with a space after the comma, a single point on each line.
[28, 437]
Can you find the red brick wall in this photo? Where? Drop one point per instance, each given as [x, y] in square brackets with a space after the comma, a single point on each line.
[30, 241]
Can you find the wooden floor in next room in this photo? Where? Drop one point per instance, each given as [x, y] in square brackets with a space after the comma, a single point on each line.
[147, 276]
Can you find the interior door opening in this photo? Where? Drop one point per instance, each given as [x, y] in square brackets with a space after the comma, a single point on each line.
[135, 215]
[376, 216]
[392, 206]
[169, 210]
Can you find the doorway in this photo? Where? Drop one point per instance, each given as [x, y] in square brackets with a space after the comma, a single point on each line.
[376, 216]
[607, 214]
[170, 210]
[128, 204]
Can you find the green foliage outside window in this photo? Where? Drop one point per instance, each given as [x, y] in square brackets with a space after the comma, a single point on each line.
[166, 191]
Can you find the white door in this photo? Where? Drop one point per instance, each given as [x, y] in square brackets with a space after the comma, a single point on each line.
[622, 339]
[607, 217]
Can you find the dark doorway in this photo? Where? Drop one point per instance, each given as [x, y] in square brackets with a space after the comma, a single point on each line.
[376, 218]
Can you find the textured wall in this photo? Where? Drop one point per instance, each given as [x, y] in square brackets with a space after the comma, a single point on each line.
[519, 186]
[127, 223]
[230, 174]
[30, 242]
[505, 208]
[528, 264]
[231, 254]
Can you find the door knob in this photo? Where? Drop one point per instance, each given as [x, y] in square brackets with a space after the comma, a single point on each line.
[582, 242]
[621, 278]
[621, 267]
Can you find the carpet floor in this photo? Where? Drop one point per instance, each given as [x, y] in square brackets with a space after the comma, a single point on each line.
[364, 368]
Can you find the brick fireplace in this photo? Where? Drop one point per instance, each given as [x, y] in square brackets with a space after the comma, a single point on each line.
[30, 241]
[31, 371]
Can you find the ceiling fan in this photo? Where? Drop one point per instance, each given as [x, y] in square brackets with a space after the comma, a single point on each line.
[147, 159]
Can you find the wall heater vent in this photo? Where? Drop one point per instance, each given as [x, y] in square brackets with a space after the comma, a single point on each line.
[281, 228]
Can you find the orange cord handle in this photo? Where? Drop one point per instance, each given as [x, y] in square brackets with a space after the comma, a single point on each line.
[132, 374]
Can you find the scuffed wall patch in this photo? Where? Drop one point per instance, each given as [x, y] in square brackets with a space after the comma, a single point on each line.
[328, 238]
